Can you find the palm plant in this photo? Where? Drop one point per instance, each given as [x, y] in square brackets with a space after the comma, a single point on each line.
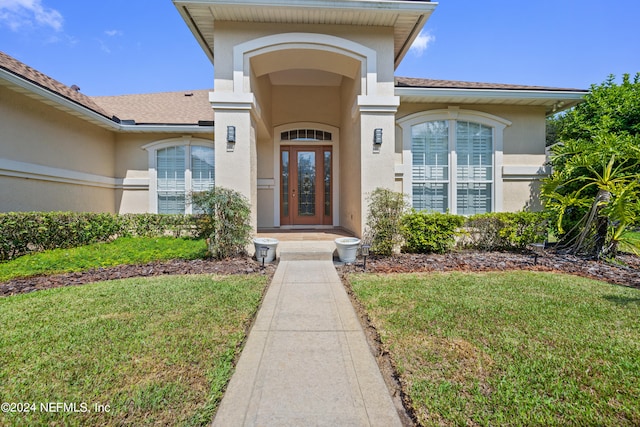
[597, 189]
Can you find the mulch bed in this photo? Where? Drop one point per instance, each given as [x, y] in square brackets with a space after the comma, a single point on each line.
[626, 274]
[175, 267]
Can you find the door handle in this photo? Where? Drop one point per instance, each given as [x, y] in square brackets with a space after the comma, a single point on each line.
[293, 193]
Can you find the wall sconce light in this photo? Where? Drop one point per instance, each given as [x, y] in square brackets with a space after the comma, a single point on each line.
[231, 134]
[377, 136]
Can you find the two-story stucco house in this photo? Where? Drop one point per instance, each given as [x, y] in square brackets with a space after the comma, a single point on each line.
[306, 118]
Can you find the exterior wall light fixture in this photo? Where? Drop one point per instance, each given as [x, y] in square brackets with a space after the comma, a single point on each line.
[231, 134]
[377, 136]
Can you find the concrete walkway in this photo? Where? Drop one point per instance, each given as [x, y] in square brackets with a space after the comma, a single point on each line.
[306, 361]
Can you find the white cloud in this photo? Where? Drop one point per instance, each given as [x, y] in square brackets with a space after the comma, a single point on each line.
[112, 33]
[422, 43]
[17, 14]
[103, 46]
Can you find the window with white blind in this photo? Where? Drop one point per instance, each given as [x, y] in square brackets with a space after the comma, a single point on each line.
[453, 161]
[176, 171]
[474, 168]
[430, 171]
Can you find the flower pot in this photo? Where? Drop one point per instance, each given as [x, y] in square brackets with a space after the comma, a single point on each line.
[347, 248]
[266, 242]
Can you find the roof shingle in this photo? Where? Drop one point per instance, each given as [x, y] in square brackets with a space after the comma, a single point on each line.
[34, 76]
[455, 84]
[186, 107]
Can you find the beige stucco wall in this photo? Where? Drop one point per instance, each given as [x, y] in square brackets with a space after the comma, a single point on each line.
[33, 132]
[40, 145]
[523, 149]
[23, 195]
[294, 104]
[52, 160]
[350, 164]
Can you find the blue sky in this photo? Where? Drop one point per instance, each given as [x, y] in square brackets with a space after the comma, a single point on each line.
[118, 47]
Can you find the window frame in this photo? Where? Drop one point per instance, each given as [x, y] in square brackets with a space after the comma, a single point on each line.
[152, 150]
[452, 115]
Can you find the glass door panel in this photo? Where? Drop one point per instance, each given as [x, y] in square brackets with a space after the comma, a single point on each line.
[306, 183]
[306, 191]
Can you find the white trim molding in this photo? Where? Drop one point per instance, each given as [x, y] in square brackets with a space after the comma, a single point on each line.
[16, 169]
[525, 172]
[244, 52]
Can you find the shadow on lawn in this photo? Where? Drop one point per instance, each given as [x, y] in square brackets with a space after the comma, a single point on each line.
[621, 300]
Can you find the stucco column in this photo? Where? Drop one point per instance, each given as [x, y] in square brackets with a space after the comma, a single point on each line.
[377, 160]
[236, 161]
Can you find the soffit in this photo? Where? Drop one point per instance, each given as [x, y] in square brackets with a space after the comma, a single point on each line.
[405, 17]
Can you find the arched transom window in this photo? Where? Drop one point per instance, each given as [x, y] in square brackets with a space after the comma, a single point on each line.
[305, 135]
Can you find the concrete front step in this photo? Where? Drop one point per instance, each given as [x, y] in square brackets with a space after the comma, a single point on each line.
[306, 251]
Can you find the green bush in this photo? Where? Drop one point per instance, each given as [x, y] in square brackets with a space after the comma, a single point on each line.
[24, 232]
[227, 221]
[383, 229]
[430, 232]
[505, 230]
[156, 225]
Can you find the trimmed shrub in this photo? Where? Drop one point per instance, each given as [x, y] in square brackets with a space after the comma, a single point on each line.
[430, 232]
[227, 221]
[505, 230]
[152, 225]
[383, 229]
[25, 232]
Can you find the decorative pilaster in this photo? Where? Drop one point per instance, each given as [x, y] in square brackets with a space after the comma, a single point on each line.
[235, 145]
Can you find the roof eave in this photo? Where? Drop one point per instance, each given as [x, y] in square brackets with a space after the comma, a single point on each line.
[193, 27]
[423, 9]
[52, 98]
[158, 128]
[555, 100]
[64, 104]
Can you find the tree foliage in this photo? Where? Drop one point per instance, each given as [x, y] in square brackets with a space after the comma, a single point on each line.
[608, 108]
[593, 192]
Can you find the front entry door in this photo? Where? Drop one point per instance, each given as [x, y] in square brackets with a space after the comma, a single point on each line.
[306, 185]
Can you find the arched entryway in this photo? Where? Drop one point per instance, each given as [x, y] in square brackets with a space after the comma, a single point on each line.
[311, 83]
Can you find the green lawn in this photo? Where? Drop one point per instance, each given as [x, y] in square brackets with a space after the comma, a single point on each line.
[514, 348]
[126, 250]
[157, 351]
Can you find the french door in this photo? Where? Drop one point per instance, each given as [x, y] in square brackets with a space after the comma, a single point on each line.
[306, 187]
